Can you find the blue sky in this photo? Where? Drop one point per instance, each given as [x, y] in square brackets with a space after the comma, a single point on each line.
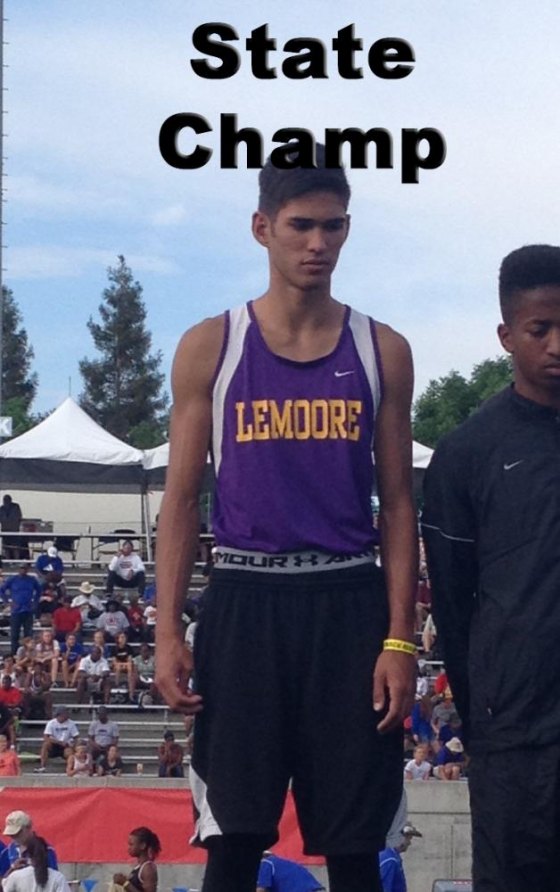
[89, 85]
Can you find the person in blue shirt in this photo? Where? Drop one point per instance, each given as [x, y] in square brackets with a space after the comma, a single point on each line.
[280, 875]
[23, 591]
[50, 566]
[20, 828]
[390, 861]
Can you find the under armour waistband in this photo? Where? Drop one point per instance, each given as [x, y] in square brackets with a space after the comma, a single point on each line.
[226, 558]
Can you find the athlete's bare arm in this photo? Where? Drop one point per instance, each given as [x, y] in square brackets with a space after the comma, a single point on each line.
[179, 524]
[395, 673]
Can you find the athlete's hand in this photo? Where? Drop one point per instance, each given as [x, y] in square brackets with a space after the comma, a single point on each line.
[174, 667]
[394, 684]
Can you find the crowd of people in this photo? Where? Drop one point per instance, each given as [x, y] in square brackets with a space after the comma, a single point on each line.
[97, 643]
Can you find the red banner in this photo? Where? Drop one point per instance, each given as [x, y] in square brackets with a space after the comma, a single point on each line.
[91, 824]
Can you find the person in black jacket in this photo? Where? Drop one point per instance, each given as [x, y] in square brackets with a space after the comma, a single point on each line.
[491, 527]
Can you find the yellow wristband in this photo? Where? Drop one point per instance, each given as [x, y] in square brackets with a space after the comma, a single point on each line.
[404, 647]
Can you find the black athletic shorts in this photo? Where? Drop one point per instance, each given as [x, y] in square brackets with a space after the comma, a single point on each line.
[285, 667]
[515, 805]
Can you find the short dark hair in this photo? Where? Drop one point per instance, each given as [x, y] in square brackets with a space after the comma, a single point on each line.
[277, 185]
[531, 266]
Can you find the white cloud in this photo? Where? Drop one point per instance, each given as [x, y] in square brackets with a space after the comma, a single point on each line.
[53, 261]
[170, 216]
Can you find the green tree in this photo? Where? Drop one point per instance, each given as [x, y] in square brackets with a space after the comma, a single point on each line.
[19, 383]
[123, 388]
[450, 400]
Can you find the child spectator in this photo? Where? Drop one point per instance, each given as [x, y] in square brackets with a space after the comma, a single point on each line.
[418, 768]
[79, 763]
[71, 652]
[47, 653]
[122, 662]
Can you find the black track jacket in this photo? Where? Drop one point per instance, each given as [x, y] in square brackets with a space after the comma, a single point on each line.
[491, 527]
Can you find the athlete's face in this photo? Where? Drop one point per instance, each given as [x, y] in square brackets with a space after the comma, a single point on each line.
[533, 338]
[304, 239]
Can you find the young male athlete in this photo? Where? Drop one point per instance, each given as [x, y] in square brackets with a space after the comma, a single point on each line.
[293, 682]
[491, 526]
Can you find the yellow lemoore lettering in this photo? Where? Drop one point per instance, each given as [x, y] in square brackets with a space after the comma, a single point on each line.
[334, 419]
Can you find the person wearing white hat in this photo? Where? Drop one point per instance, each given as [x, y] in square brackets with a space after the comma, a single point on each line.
[50, 567]
[89, 604]
[450, 760]
[19, 827]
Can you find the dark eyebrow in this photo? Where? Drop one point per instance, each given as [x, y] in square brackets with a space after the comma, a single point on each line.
[296, 219]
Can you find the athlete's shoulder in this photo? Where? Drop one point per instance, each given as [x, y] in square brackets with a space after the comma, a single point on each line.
[197, 354]
[469, 444]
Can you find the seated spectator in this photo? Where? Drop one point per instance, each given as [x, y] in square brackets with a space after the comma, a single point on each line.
[59, 737]
[422, 681]
[418, 768]
[423, 604]
[453, 728]
[421, 727]
[443, 711]
[150, 618]
[170, 755]
[122, 661]
[88, 603]
[143, 673]
[25, 654]
[111, 763]
[99, 641]
[37, 698]
[23, 592]
[450, 760]
[126, 570]
[9, 668]
[20, 830]
[47, 653]
[79, 763]
[7, 724]
[49, 600]
[112, 621]
[66, 619]
[135, 616]
[93, 676]
[50, 568]
[102, 734]
[71, 652]
[429, 636]
[9, 761]
[10, 696]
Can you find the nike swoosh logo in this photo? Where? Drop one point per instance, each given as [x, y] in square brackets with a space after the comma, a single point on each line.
[343, 374]
[513, 464]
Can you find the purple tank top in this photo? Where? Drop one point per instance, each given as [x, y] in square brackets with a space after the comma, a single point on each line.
[292, 441]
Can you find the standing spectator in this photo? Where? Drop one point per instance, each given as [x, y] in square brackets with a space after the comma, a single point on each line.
[170, 755]
[10, 520]
[111, 763]
[59, 737]
[50, 568]
[35, 874]
[71, 652]
[19, 827]
[93, 676]
[66, 619]
[79, 763]
[390, 861]
[126, 570]
[112, 621]
[102, 734]
[24, 591]
[9, 761]
[280, 875]
[37, 697]
[88, 603]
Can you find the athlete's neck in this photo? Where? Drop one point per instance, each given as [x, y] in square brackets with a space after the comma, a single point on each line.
[300, 329]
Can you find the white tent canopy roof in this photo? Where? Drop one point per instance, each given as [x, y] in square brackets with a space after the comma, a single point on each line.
[70, 435]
